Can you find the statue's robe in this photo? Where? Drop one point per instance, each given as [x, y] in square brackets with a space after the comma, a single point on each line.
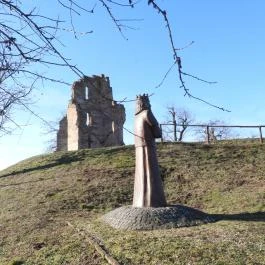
[148, 187]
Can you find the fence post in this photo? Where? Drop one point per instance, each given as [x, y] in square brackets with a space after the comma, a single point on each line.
[260, 134]
[208, 134]
[175, 130]
[162, 140]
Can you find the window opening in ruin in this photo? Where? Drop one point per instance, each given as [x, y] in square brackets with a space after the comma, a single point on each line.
[86, 93]
[88, 119]
[113, 126]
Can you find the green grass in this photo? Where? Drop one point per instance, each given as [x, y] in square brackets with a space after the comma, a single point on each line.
[40, 196]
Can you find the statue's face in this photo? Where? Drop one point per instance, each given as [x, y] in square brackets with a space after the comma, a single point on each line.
[138, 106]
[142, 105]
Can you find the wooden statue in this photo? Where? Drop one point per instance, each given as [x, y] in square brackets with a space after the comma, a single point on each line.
[148, 188]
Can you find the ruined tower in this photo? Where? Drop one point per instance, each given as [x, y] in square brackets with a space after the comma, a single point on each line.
[93, 118]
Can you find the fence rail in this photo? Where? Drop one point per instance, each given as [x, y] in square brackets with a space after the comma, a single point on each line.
[207, 126]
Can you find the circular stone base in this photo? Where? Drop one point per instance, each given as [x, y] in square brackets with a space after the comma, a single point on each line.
[133, 218]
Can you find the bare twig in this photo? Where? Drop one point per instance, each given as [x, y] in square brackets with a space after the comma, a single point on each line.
[177, 59]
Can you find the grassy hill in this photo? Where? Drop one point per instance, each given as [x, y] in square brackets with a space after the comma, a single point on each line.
[50, 205]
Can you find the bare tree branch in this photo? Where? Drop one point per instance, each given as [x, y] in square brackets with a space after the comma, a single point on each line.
[28, 37]
[177, 59]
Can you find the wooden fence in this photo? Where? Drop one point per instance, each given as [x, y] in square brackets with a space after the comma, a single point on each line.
[207, 127]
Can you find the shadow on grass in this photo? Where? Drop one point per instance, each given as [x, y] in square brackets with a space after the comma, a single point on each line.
[25, 182]
[256, 217]
[65, 159]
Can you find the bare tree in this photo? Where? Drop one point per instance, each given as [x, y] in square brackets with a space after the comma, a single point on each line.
[51, 130]
[12, 93]
[26, 38]
[214, 133]
[185, 118]
[29, 37]
[179, 120]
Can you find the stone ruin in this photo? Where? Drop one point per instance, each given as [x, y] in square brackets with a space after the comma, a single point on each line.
[93, 118]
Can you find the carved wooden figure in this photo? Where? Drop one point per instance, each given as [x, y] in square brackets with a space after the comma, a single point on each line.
[148, 187]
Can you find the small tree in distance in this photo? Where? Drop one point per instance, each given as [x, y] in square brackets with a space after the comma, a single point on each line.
[215, 133]
[179, 120]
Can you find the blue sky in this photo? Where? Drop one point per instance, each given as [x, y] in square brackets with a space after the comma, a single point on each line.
[229, 38]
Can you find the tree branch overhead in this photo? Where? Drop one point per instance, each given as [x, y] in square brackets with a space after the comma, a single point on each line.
[29, 37]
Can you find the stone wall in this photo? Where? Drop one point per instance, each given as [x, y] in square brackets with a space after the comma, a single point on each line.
[93, 118]
[62, 135]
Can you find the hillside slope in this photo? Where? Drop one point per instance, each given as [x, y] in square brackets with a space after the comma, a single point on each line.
[47, 200]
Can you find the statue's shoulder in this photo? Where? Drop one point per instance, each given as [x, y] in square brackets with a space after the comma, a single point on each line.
[142, 113]
[150, 114]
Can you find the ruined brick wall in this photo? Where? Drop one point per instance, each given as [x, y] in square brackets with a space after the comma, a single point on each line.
[62, 135]
[93, 118]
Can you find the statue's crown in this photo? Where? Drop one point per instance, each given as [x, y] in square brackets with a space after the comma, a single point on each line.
[143, 98]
